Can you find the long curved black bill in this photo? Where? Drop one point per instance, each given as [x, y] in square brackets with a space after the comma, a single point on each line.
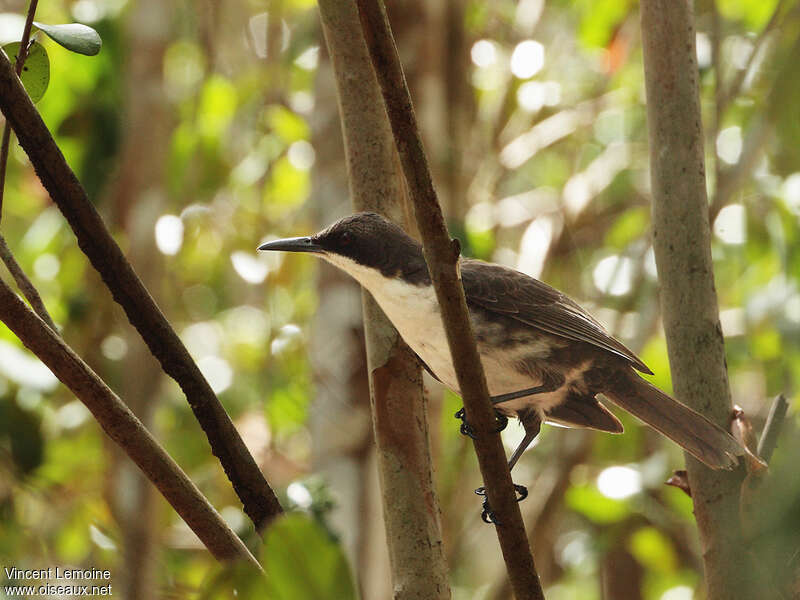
[298, 244]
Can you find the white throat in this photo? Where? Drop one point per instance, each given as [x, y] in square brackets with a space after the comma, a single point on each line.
[412, 309]
[414, 312]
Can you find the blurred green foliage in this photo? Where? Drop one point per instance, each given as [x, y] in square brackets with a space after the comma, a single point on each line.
[237, 165]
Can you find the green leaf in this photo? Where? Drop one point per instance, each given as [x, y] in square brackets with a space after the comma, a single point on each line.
[653, 549]
[629, 227]
[74, 36]
[36, 72]
[304, 563]
[588, 501]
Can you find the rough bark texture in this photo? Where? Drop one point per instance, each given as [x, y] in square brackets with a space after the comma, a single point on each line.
[441, 255]
[258, 499]
[411, 510]
[123, 427]
[681, 240]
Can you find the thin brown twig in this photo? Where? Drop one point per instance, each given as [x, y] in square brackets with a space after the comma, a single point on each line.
[257, 497]
[18, 64]
[441, 255]
[23, 283]
[772, 428]
[729, 94]
[26, 287]
[6, 143]
[123, 427]
[716, 117]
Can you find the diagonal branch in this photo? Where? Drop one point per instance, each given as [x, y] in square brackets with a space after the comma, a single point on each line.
[772, 427]
[25, 286]
[441, 255]
[122, 426]
[95, 241]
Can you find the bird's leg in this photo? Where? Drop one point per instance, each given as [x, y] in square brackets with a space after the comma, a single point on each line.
[502, 421]
[532, 423]
[539, 389]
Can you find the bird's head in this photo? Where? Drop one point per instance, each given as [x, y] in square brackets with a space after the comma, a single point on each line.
[363, 245]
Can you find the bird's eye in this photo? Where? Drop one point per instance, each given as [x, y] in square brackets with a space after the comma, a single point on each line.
[345, 238]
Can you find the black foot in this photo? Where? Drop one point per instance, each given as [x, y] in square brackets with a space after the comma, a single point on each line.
[466, 428]
[487, 515]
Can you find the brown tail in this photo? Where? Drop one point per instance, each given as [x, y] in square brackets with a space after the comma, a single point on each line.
[692, 431]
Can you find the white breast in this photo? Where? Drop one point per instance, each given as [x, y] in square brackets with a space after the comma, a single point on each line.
[414, 311]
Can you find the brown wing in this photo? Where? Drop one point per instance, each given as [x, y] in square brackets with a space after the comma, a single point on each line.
[528, 300]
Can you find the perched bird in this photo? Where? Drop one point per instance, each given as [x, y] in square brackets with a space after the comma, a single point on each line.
[544, 356]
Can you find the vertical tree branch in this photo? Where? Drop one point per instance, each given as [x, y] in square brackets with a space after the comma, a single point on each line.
[681, 240]
[258, 499]
[25, 285]
[410, 504]
[441, 255]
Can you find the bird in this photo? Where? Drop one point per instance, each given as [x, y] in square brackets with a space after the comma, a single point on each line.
[546, 359]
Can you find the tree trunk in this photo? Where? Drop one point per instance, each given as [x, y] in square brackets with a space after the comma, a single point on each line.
[411, 509]
[681, 240]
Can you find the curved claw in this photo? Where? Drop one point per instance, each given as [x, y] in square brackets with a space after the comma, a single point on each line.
[487, 514]
[522, 491]
[502, 422]
[466, 428]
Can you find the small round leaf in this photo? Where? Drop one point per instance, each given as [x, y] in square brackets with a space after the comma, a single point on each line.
[74, 36]
[36, 71]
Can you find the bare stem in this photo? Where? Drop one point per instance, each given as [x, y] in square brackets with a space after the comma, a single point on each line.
[258, 499]
[441, 255]
[123, 427]
[19, 63]
[399, 411]
[772, 428]
[25, 285]
[682, 245]
[735, 87]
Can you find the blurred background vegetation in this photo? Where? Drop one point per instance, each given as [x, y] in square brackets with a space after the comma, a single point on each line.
[204, 128]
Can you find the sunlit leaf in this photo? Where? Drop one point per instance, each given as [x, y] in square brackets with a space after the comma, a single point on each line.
[289, 126]
[217, 107]
[587, 500]
[767, 344]
[304, 563]
[600, 19]
[36, 72]
[288, 186]
[630, 226]
[74, 36]
[654, 355]
[653, 549]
